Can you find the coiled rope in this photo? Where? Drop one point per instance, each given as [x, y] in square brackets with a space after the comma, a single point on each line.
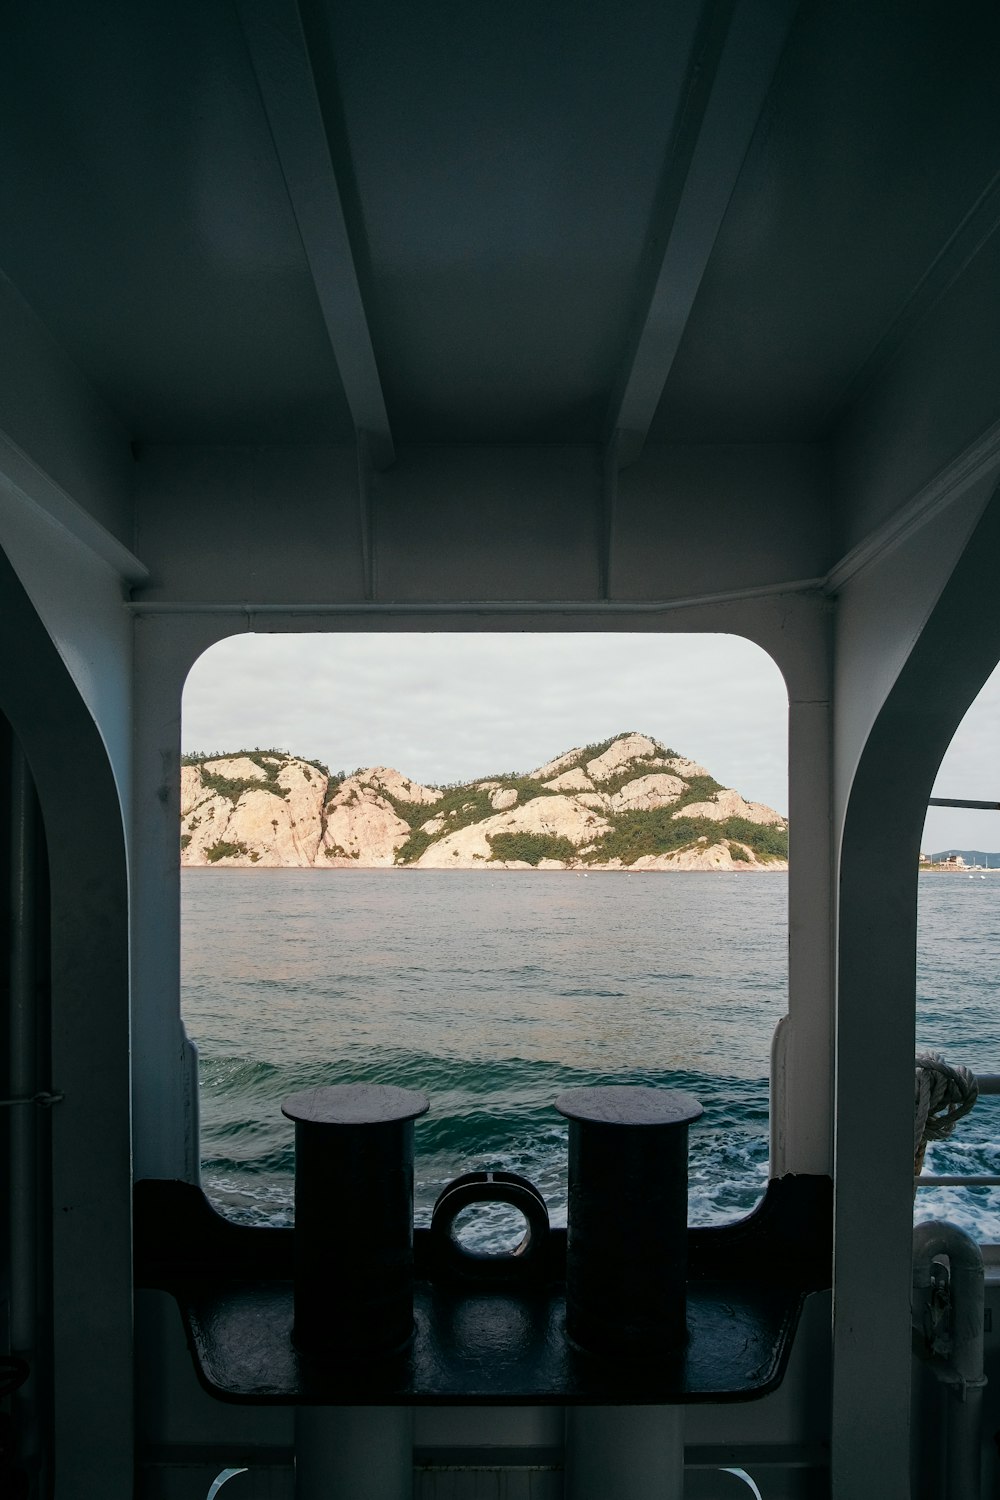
[942, 1094]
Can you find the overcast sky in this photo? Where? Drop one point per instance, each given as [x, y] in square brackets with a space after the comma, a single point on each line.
[970, 769]
[453, 707]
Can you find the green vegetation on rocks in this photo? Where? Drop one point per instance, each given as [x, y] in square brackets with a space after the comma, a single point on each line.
[233, 787]
[767, 840]
[656, 831]
[224, 850]
[460, 806]
[530, 848]
[270, 763]
[506, 818]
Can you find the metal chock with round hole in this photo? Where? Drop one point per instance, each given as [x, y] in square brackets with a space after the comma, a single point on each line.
[626, 1246]
[353, 1252]
[525, 1262]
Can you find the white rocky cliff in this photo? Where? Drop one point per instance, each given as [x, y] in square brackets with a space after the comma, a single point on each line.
[629, 803]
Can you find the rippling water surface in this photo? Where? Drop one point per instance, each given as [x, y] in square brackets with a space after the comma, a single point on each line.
[958, 1014]
[494, 993]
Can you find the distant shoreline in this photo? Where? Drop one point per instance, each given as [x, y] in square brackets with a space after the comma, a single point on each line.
[959, 870]
[778, 868]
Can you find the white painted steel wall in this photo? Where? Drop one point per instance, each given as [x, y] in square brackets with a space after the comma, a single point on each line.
[275, 585]
[277, 541]
[86, 1293]
[906, 669]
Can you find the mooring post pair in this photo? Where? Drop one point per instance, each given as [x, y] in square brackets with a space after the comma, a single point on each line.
[626, 1256]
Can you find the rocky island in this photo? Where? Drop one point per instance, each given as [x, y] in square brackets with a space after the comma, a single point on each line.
[627, 803]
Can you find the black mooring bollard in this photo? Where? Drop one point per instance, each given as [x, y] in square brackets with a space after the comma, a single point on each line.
[353, 1217]
[626, 1251]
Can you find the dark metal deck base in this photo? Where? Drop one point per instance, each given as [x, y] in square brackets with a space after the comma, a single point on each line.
[494, 1345]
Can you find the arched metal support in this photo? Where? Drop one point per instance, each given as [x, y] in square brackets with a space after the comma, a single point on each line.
[86, 1290]
[887, 788]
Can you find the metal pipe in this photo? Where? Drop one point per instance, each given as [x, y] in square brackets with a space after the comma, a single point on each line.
[931, 1180]
[250, 608]
[23, 1082]
[353, 1453]
[962, 802]
[625, 1452]
[962, 1370]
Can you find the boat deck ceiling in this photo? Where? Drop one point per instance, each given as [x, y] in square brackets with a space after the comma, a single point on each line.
[699, 222]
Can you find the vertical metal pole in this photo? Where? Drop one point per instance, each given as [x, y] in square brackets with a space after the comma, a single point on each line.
[625, 1453]
[354, 1453]
[961, 1335]
[23, 1084]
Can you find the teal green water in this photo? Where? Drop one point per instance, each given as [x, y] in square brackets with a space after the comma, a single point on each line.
[494, 993]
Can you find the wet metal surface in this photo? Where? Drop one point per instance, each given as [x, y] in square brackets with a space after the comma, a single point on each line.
[490, 1343]
[527, 1262]
[492, 1347]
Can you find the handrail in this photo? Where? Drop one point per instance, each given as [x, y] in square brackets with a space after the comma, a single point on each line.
[962, 802]
[970, 1181]
[989, 1083]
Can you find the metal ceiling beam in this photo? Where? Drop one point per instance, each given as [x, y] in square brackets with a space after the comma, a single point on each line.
[732, 67]
[24, 483]
[280, 56]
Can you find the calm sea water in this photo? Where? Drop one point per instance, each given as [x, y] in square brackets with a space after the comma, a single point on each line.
[494, 993]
